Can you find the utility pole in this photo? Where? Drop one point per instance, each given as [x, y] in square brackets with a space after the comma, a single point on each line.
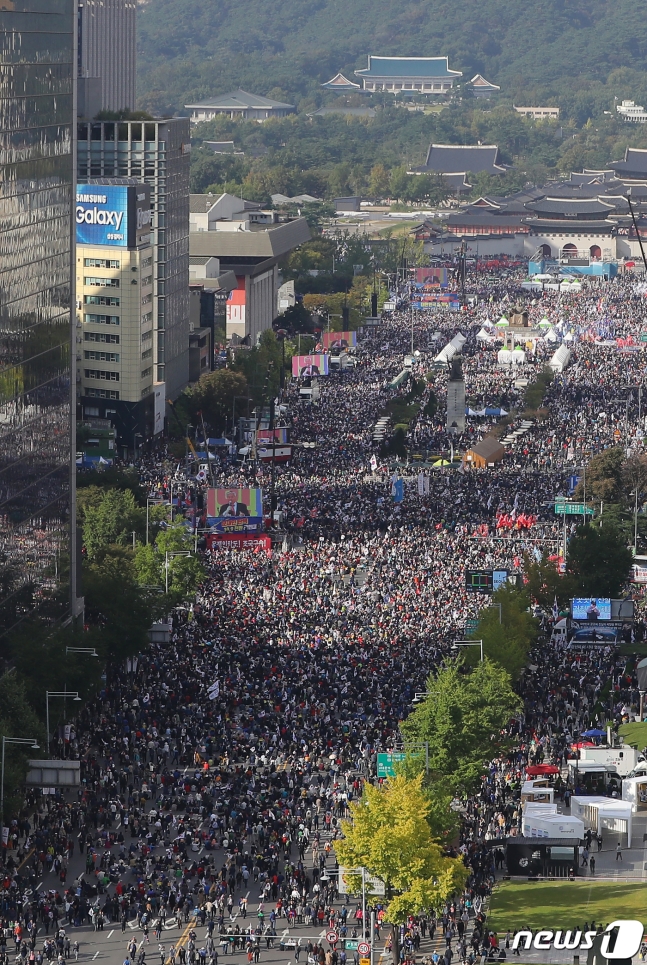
[635, 224]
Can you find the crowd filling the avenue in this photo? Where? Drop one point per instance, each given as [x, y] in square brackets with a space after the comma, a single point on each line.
[216, 768]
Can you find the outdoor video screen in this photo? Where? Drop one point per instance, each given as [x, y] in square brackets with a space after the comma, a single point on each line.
[591, 609]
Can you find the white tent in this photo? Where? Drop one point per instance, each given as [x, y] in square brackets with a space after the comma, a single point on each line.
[451, 348]
[518, 356]
[560, 359]
[634, 792]
[504, 356]
[483, 336]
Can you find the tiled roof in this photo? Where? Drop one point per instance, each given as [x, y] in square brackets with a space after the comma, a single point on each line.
[432, 67]
[239, 100]
[453, 158]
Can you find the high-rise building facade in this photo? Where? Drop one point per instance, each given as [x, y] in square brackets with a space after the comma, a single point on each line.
[156, 152]
[106, 55]
[37, 431]
[114, 289]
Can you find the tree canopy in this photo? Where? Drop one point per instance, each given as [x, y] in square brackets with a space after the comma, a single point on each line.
[463, 720]
[389, 835]
[598, 560]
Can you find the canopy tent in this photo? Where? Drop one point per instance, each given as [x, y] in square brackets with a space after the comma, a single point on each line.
[483, 336]
[560, 359]
[535, 770]
[594, 732]
[451, 348]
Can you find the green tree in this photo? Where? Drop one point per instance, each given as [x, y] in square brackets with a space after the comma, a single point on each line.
[185, 572]
[213, 396]
[17, 719]
[507, 630]
[604, 476]
[598, 559]
[389, 835]
[119, 610]
[544, 583]
[463, 721]
[110, 519]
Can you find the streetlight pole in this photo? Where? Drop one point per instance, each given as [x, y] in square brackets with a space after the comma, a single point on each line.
[469, 643]
[11, 740]
[170, 556]
[90, 650]
[74, 694]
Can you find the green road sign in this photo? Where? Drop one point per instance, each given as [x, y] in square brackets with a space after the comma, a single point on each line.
[471, 625]
[643, 337]
[386, 763]
[573, 509]
[351, 944]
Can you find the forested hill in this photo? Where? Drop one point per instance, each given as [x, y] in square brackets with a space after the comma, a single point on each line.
[574, 53]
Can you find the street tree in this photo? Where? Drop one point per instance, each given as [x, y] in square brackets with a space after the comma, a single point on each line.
[507, 630]
[544, 583]
[390, 837]
[213, 396]
[463, 721]
[598, 560]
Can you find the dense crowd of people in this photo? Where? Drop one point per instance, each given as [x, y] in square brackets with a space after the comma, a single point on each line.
[216, 768]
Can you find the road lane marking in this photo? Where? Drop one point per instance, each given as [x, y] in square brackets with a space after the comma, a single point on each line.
[110, 934]
[96, 955]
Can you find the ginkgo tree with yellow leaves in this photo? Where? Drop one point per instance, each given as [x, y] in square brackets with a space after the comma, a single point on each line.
[389, 835]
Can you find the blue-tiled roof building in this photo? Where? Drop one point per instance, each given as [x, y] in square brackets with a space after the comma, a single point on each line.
[422, 75]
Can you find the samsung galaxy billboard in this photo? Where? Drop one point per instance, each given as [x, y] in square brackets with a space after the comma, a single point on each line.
[117, 215]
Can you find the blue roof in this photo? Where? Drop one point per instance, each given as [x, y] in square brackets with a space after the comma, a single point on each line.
[432, 67]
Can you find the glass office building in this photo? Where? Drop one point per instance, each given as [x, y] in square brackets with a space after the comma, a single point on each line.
[37, 115]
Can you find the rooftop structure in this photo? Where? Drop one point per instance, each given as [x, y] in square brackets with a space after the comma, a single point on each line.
[422, 75]
[539, 113]
[456, 161]
[340, 83]
[482, 87]
[632, 112]
[238, 104]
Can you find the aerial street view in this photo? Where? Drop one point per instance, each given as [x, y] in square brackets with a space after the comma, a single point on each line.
[323, 482]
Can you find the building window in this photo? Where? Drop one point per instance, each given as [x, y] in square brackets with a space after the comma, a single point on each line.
[101, 337]
[147, 299]
[146, 372]
[101, 282]
[147, 353]
[100, 263]
[90, 411]
[101, 319]
[148, 280]
[101, 356]
[102, 375]
[146, 391]
[148, 317]
[101, 300]
[102, 394]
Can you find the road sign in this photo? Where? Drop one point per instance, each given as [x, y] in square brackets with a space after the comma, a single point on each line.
[643, 337]
[351, 944]
[372, 885]
[364, 961]
[364, 949]
[332, 937]
[471, 625]
[386, 763]
[572, 509]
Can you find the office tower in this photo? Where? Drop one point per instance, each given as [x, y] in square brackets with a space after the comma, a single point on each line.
[114, 288]
[158, 153]
[37, 431]
[106, 56]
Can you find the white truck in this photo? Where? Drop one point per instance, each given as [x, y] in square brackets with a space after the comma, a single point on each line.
[623, 759]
